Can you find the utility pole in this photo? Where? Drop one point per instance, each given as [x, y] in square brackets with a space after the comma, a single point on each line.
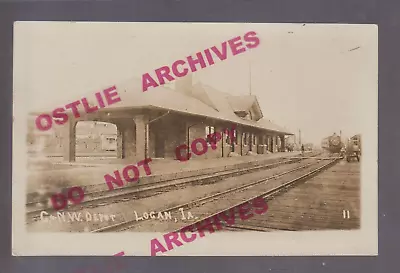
[299, 136]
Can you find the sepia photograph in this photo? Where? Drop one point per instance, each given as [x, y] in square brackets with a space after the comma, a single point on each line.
[163, 139]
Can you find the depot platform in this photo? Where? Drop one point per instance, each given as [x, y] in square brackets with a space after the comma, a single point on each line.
[90, 176]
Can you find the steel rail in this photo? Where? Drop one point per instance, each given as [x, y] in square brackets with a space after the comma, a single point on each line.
[198, 179]
[136, 187]
[132, 223]
[270, 193]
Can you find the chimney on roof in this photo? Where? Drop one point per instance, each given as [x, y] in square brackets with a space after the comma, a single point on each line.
[184, 85]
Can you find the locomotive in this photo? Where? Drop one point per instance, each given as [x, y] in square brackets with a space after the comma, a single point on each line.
[332, 144]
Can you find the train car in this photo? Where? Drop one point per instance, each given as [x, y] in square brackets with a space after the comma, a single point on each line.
[356, 140]
[353, 148]
[109, 143]
[332, 144]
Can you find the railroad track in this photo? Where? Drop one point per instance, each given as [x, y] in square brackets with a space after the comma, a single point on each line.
[102, 198]
[267, 195]
[243, 192]
[317, 205]
[242, 227]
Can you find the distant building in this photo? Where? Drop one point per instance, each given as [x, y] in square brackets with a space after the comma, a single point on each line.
[91, 137]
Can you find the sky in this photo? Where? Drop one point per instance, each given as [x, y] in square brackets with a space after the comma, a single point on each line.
[317, 78]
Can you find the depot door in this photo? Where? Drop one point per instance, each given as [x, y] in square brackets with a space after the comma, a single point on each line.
[160, 145]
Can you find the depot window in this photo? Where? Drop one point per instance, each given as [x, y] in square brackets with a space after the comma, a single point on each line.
[228, 138]
[210, 130]
[235, 136]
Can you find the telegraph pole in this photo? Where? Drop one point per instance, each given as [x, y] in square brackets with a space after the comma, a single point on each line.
[299, 136]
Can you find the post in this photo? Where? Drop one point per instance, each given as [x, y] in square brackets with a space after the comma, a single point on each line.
[283, 144]
[274, 144]
[120, 141]
[69, 141]
[141, 136]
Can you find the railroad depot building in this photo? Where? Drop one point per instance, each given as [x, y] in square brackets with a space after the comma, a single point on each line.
[154, 123]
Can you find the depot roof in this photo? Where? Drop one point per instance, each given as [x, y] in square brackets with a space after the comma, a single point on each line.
[215, 105]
